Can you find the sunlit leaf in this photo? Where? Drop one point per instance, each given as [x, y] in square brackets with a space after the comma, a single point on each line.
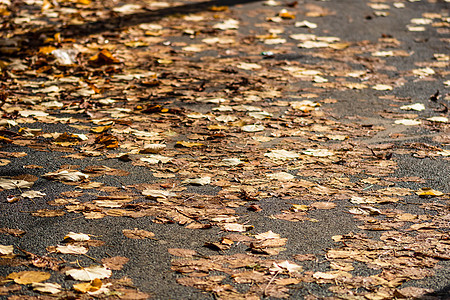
[32, 194]
[6, 250]
[86, 287]
[10, 184]
[66, 175]
[428, 192]
[198, 181]
[77, 237]
[282, 154]
[416, 106]
[50, 288]
[408, 122]
[28, 277]
[71, 249]
[90, 273]
[283, 176]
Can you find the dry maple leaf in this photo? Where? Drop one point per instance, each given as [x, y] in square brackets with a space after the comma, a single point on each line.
[137, 234]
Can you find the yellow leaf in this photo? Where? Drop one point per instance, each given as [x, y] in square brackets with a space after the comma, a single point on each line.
[299, 207]
[218, 8]
[104, 57]
[100, 129]
[28, 277]
[46, 49]
[286, 14]
[85, 287]
[429, 192]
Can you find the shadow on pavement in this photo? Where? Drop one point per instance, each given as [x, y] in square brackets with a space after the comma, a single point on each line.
[443, 294]
[34, 39]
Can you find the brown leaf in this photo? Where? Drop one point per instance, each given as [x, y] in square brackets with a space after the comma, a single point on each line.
[138, 234]
[47, 213]
[13, 232]
[107, 141]
[104, 57]
[182, 252]
[304, 257]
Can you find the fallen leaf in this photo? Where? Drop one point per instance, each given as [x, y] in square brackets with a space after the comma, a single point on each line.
[227, 24]
[86, 287]
[282, 154]
[428, 192]
[323, 205]
[32, 194]
[198, 181]
[115, 263]
[408, 122]
[13, 232]
[66, 175]
[4, 162]
[267, 235]
[158, 194]
[253, 128]
[155, 159]
[48, 213]
[89, 274]
[181, 144]
[77, 237]
[104, 57]
[304, 257]
[318, 152]
[10, 184]
[415, 106]
[236, 227]
[6, 250]
[153, 148]
[182, 252]
[29, 277]
[138, 234]
[438, 119]
[382, 87]
[282, 176]
[286, 266]
[47, 287]
[72, 249]
[248, 66]
[306, 24]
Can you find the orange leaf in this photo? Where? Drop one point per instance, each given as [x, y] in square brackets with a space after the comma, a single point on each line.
[104, 57]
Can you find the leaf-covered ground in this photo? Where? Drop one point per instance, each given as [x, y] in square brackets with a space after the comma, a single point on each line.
[225, 149]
